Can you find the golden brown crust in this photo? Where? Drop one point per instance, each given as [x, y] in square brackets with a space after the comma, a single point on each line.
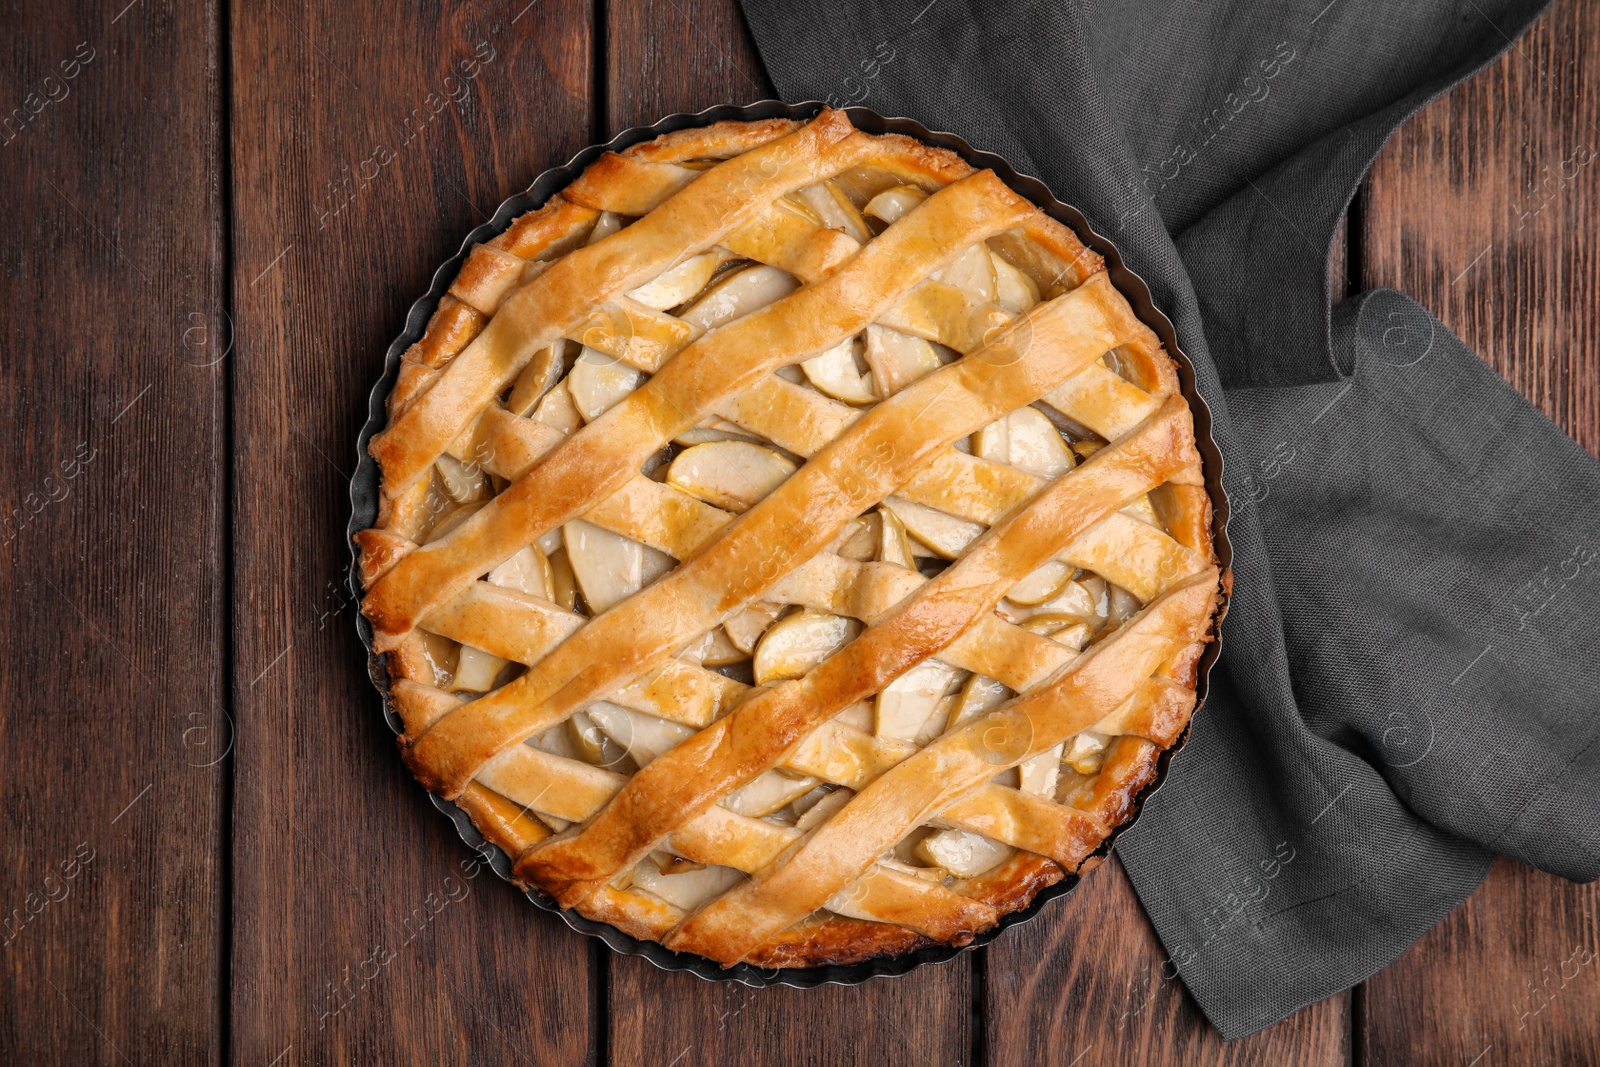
[822, 895]
[720, 140]
[451, 328]
[837, 942]
[1013, 885]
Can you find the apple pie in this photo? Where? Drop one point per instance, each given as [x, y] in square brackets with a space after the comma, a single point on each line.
[792, 548]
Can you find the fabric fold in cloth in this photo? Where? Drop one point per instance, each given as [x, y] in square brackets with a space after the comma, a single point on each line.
[1407, 683]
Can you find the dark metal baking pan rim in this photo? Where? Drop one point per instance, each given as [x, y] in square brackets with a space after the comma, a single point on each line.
[364, 511]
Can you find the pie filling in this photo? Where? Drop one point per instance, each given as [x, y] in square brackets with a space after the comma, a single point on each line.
[772, 600]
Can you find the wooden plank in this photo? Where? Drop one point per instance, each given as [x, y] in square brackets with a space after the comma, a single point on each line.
[1340, 263]
[666, 56]
[659, 1018]
[1088, 982]
[662, 57]
[113, 424]
[1484, 209]
[364, 149]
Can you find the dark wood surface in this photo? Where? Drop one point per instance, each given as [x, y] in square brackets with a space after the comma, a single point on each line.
[206, 254]
[114, 422]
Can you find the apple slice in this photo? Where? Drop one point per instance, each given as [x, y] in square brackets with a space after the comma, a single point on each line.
[538, 377]
[528, 571]
[806, 801]
[607, 224]
[714, 649]
[1123, 606]
[475, 670]
[1040, 773]
[608, 567]
[1087, 753]
[905, 709]
[679, 284]
[644, 736]
[441, 654]
[598, 381]
[1070, 630]
[897, 359]
[557, 411]
[556, 740]
[744, 628]
[945, 535]
[667, 863]
[1074, 598]
[834, 208]
[798, 642]
[823, 810]
[766, 793]
[862, 183]
[1099, 591]
[1047, 581]
[859, 538]
[834, 372]
[1143, 510]
[978, 695]
[563, 583]
[688, 890]
[891, 204]
[462, 483]
[961, 853]
[454, 518]
[738, 293]
[1028, 440]
[729, 474]
[714, 428]
[655, 564]
[892, 861]
[893, 545]
[1014, 290]
[972, 271]
[797, 204]
[585, 740]
[857, 716]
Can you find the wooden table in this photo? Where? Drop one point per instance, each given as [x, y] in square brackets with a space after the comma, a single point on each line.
[210, 851]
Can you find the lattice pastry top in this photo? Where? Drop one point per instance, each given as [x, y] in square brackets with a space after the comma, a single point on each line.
[792, 547]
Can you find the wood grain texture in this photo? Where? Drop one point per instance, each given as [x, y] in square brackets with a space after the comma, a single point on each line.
[912, 1021]
[1484, 208]
[1340, 263]
[111, 809]
[662, 57]
[363, 152]
[666, 56]
[1088, 983]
